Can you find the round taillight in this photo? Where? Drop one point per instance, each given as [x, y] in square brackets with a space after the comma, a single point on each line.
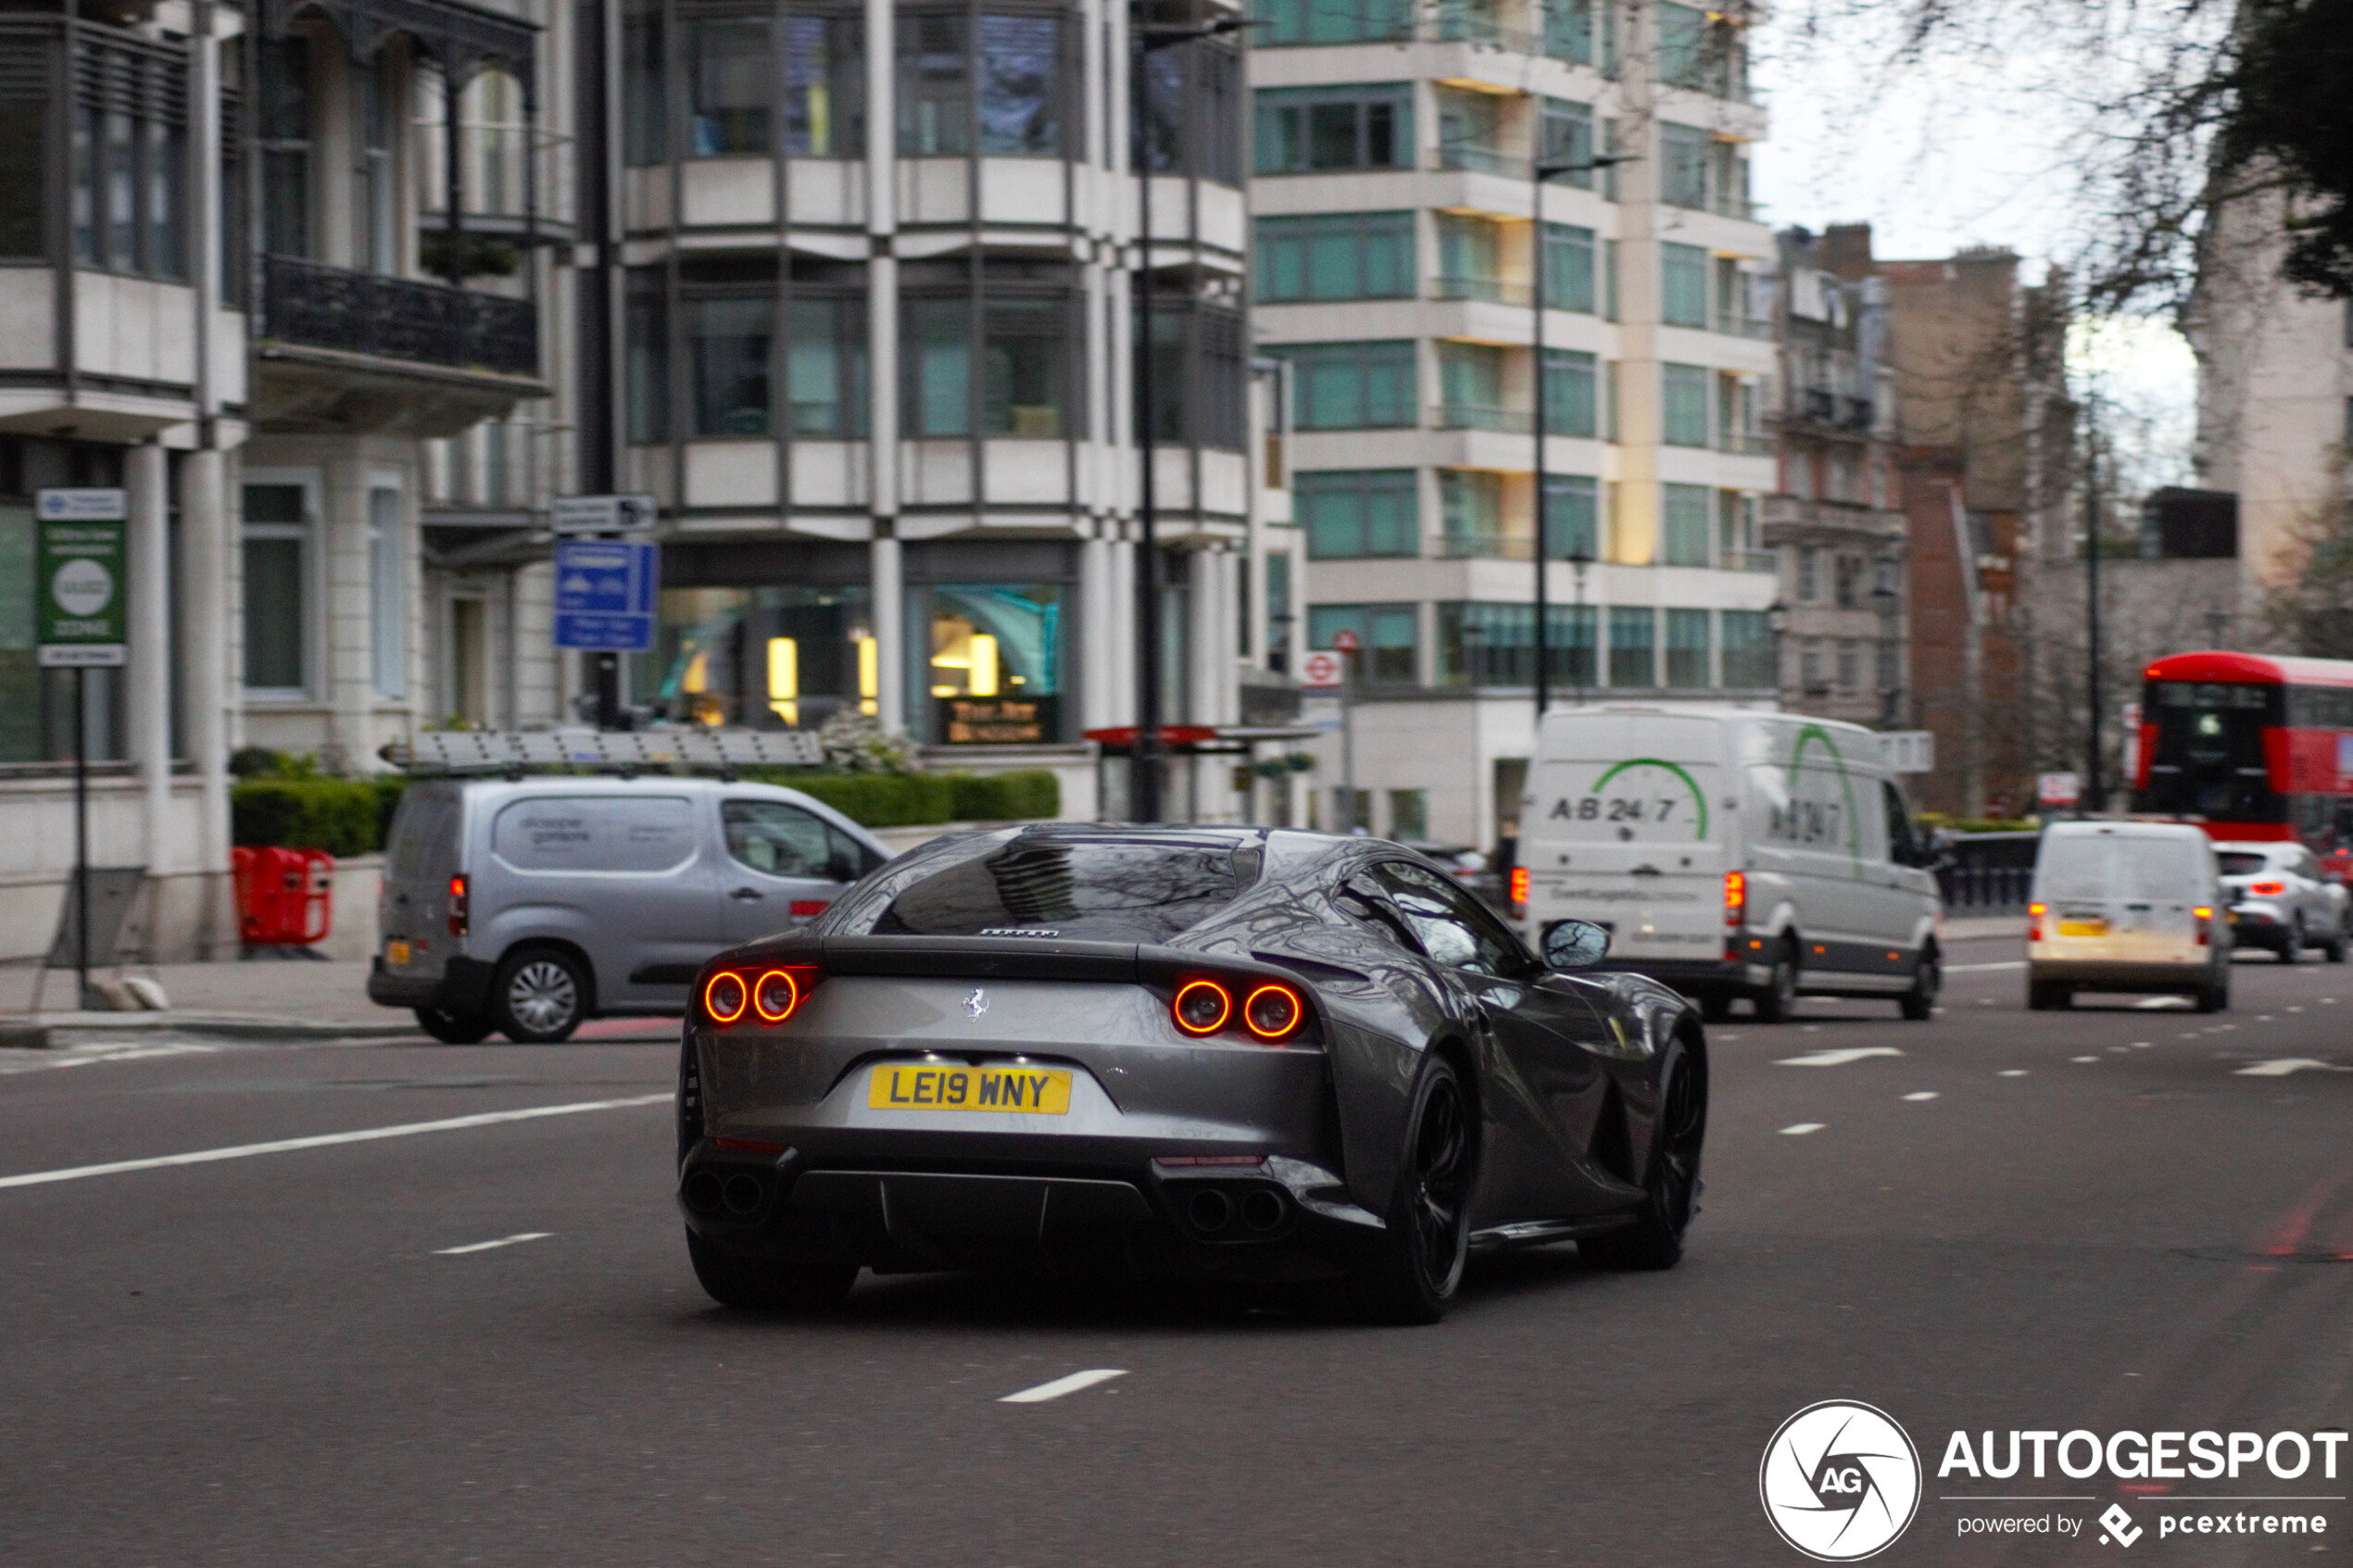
[1273, 1011]
[774, 996]
[1203, 1007]
[725, 997]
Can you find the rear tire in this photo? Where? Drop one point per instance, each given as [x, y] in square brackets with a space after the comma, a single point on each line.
[453, 1028]
[1420, 1262]
[2337, 943]
[1778, 1002]
[2292, 944]
[2046, 996]
[1715, 1007]
[540, 996]
[2215, 995]
[1919, 1004]
[764, 1284]
[1670, 1189]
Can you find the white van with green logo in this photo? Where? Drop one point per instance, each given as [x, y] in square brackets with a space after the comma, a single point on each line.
[1733, 854]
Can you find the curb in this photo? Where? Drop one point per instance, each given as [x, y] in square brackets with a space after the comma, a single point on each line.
[50, 1031]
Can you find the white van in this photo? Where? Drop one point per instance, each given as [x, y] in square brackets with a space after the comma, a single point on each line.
[1733, 854]
[2127, 906]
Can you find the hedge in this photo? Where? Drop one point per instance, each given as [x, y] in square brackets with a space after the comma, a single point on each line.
[347, 817]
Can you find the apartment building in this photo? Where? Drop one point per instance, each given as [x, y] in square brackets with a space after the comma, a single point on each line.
[865, 306]
[249, 275]
[1834, 516]
[1403, 244]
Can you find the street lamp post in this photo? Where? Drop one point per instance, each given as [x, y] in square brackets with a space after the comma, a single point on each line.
[1539, 172]
[1144, 762]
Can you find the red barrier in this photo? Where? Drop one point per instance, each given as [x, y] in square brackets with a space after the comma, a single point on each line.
[285, 897]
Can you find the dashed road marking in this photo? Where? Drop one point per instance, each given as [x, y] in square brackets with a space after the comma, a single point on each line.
[1800, 1129]
[487, 1245]
[1061, 1385]
[1838, 1058]
[2012, 1073]
[1921, 1093]
[2162, 1004]
[1980, 968]
[2281, 1066]
[326, 1140]
[2083, 1059]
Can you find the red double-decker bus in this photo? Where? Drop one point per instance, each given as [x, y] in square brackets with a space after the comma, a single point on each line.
[2249, 746]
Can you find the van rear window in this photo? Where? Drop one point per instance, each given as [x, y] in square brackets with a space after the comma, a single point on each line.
[2088, 867]
[1084, 889]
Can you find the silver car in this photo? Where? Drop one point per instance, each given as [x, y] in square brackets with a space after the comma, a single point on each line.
[2280, 899]
[530, 905]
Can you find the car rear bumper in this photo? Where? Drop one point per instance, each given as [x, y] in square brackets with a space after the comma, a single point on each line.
[463, 988]
[1695, 974]
[2112, 974]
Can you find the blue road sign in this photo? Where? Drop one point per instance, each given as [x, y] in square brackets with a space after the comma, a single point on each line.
[605, 594]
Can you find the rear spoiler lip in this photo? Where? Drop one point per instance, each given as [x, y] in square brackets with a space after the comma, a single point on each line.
[1008, 958]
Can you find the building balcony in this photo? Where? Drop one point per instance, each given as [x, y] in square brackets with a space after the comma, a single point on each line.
[1454, 546]
[1484, 416]
[1492, 291]
[1744, 442]
[359, 351]
[1791, 520]
[1475, 157]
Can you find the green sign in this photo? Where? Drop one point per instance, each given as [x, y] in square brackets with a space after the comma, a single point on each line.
[82, 590]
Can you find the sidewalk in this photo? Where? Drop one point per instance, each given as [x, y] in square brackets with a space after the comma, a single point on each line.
[260, 1001]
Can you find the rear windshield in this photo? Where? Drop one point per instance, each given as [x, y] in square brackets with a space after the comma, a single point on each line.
[2085, 867]
[2241, 862]
[1100, 890]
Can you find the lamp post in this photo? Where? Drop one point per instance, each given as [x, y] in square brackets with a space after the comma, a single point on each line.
[1474, 648]
[1144, 762]
[1540, 172]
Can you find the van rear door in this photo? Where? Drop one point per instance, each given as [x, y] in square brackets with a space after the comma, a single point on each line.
[1627, 828]
[422, 854]
[2121, 894]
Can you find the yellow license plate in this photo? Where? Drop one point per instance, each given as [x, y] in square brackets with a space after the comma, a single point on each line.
[2082, 928]
[396, 953]
[1033, 1091]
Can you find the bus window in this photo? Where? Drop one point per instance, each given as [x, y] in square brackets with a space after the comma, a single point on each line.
[2208, 757]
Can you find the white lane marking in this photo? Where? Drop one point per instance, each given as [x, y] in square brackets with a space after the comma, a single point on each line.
[1979, 968]
[1921, 1093]
[324, 1140]
[1061, 1385]
[2161, 1004]
[83, 1056]
[487, 1245]
[2281, 1067]
[2083, 1059]
[2140, 1044]
[1838, 1058]
[1802, 1128]
[2012, 1073]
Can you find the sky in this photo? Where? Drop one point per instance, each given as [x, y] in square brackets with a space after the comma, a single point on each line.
[1970, 152]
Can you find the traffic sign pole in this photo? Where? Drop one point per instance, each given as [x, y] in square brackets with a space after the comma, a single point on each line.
[82, 574]
[1348, 645]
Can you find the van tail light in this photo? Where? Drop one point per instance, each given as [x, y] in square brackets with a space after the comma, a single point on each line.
[2035, 923]
[2205, 924]
[2266, 889]
[460, 914]
[1519, 884]
[1735, 899]
[763, 994]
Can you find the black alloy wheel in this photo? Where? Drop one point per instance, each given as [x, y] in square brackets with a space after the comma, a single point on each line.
[766, 1285]
[1919, 1004]
[1778, 1002]
[540, 996]
[1420, 1265]
[453, 1028]
[1670, 1190]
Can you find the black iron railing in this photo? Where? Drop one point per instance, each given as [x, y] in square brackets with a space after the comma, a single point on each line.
[1987, 873]
[397, 317]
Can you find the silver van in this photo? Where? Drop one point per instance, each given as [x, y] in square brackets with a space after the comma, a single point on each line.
[528, 905]
[2134, 907]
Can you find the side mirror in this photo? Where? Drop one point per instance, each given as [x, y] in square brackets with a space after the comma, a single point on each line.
[1574, 943]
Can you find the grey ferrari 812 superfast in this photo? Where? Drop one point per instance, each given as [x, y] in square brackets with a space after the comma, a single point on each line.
[1246, 1054]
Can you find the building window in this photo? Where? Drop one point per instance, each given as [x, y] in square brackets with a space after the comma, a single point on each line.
[1568, 268]
[767, 658]
[1890, 654]
[1193, 123]
[1685, 510]
[1571, 388]
[387, 594]
[645, 369]
[1850, 664]
[1007, 96]
[1568, 139]
[1470, 131]
[1568, 30]
[1470, 387]
[1388, 635]
[1025, 386]
[1572, 517]
[1331, 21]
[995, 672]
[1304, 129]
[1278, 613]
[824, 86]
[1683, 157]
[24, 174]
[1683, 286]
[277, 532]
[1683, 405]
[731, 78]
[1609, 279]
[935, 91]
[130, 152]
[1687, 647]
[1336, 255]
[1809, 573]
[1735, 525]
[1500, 639]
[1470, 259]
[1846, 578]
[1019, 63]
[727, 345]
[1353, 385]
[1747, 639]
[1470, 505]
[644, 85]
[1409, 815]
[1359, 512]
[285, 149]
[1633, 646]
[1197, 374]
[1809, 668]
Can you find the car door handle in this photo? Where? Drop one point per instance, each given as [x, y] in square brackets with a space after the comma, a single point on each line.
[1644, 870]
[747, 893]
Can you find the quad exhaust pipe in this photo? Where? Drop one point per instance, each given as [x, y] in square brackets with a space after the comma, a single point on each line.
[738, 1196]
[1236, 1212]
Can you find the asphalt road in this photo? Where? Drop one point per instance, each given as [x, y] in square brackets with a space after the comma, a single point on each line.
[2001, 1220]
